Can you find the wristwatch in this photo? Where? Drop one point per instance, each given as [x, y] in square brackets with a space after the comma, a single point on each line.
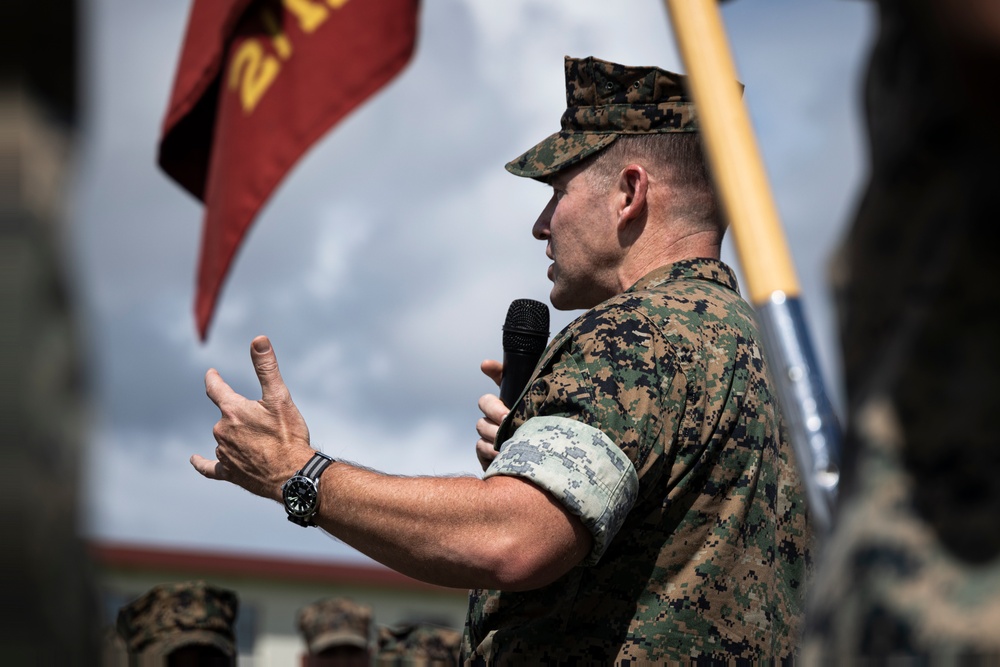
[301, 491]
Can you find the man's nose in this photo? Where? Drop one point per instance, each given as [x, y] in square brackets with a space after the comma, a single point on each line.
[540, 230]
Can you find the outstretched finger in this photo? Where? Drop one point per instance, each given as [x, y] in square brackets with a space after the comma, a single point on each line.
[209, 469]
[265, 364]
[216, 387]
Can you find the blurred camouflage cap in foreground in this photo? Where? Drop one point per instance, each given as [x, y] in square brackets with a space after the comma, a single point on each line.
[171, 616]
[335, 622]
[605, 100]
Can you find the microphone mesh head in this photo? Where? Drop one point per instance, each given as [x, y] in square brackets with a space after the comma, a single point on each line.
[526, 328]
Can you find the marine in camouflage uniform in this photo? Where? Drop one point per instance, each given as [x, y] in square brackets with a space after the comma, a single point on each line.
[913, 566]
[194, 618]
[651, 417]
[645, 506]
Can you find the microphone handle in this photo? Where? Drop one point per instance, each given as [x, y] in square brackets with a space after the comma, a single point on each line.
[517, 370]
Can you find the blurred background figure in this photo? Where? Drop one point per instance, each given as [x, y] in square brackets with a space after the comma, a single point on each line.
[176, 625]
[49, 596]
[418, 645]
[337, 631]
[913, 567]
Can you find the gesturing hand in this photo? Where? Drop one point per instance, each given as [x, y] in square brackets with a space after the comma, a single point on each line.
[260, 443]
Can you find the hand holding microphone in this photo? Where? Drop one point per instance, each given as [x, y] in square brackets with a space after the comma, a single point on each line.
[525, 335]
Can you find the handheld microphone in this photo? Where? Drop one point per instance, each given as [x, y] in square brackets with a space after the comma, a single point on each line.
[525, 335]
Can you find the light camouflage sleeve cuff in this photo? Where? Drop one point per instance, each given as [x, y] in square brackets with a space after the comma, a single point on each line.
[580, 466]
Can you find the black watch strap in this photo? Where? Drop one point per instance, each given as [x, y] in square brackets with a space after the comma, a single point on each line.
[316, 465]
[312, 470]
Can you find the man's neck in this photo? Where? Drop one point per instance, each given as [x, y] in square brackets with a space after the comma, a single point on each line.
[647, 255]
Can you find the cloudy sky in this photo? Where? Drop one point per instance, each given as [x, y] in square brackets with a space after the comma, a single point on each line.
[383, 266]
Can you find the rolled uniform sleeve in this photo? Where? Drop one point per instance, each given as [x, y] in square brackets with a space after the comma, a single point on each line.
[580, 467]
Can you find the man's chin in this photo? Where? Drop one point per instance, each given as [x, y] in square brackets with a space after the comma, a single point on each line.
[577, 300]
[562, 301]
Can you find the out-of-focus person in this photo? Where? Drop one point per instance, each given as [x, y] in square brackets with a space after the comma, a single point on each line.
[418, 644]
[49, 606]
[912, 570]
[181, 625]
[337, 631]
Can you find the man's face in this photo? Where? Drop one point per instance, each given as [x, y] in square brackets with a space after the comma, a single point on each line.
[579, 228]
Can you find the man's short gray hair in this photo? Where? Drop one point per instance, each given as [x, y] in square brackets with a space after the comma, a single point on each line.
[677, 158]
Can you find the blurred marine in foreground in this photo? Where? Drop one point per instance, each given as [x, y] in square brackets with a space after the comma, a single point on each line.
[48, 591]
[913, 568]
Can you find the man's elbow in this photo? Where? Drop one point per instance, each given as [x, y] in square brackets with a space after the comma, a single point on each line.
[524, 565]
[532, 539]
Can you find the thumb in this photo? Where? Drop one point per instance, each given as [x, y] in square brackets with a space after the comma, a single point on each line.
[210, 469]
[265, 364]
[492, 369]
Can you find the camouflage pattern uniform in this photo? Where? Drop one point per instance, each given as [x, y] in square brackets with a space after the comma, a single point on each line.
[652, 418]
[335, 622]
[418, 645]
[173, 616]
[913, 567]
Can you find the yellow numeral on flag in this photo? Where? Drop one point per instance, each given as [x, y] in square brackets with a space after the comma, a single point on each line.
[309, 14]
[282, 46]
[252, 71]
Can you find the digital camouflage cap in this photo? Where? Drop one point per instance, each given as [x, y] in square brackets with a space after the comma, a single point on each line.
[605, 100]
[171, 616]
[335, 621]
[418, 645]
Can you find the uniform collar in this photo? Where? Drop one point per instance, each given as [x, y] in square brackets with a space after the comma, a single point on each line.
[699, 268]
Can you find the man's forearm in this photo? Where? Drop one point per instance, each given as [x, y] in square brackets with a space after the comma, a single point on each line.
[462, 532]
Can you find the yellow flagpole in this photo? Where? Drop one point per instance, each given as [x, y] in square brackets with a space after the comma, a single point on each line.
[732, 150]
[768, 270]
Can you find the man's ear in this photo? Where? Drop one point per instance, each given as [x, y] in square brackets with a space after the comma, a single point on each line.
[633, 187]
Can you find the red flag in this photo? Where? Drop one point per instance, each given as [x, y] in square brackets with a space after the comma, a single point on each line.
[257, 83]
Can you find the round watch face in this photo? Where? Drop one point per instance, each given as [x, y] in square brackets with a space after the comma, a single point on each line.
[300, 496]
